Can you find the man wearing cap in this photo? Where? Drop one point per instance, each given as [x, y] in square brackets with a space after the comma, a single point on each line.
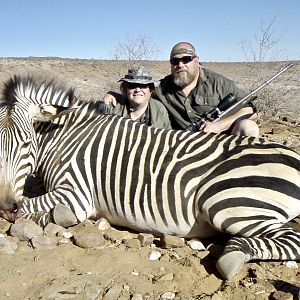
[137, 103]
[191, 90]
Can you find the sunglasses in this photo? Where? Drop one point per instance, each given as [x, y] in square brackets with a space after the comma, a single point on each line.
[134, 85]
[185, 59]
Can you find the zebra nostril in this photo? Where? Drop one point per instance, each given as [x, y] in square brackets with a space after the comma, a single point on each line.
[14, 209]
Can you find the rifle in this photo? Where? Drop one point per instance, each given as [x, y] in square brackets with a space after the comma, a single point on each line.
[229, 104]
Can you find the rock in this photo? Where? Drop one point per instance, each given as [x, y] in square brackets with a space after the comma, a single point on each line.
[279, 295]
[89, 240]
[126, 288]
[137, 297]
[195, 244]
[154, 255]
[135, 273]
[65, 234]
[132, 243]
[167, 277]
[167, 296]
[165, 257]
[202, 254]
[4, 226]
[25, 230]
[52, 229]
[291, 264]
[216, 297]
[85, 226]
[118, 236]
[146, 239]
[63, 241]
[43, 242]
[169, 241]
[102, 224]
[7, 246]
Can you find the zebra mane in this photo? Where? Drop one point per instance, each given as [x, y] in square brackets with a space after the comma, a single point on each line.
[39, 90]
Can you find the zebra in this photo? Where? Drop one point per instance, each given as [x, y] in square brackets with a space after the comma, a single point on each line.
[167, 182]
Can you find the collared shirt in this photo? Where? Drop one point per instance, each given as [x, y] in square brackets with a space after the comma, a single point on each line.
[209, 91]
[155, 115]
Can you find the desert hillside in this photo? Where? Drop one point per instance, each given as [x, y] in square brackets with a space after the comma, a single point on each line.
[92, 78]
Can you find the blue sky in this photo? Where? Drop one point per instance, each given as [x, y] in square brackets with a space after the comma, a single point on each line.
[91, 29]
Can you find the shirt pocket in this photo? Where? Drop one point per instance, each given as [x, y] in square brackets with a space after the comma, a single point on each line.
[204, 104]
[212, 100]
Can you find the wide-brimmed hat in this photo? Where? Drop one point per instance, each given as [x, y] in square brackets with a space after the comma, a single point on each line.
[138, 75]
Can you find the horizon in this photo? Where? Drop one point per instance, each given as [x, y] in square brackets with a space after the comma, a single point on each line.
[151, 60]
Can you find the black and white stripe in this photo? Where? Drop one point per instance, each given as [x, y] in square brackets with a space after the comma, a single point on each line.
[155, 180]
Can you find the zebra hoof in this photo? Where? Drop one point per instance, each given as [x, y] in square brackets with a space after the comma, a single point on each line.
[63, 216]
[230, 264]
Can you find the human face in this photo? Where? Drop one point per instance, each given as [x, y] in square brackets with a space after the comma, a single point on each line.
[184, 69]
[138, 95]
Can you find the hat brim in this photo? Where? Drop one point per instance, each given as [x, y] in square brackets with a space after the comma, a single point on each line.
[141, 81]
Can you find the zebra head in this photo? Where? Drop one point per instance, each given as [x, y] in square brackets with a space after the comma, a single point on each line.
[26, 103]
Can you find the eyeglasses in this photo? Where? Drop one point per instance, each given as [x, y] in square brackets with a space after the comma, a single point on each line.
[184, 59]
[134, 85]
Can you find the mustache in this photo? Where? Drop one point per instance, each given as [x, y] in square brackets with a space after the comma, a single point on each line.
[183, 70]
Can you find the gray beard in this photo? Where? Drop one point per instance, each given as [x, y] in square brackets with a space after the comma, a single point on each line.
[183, 79]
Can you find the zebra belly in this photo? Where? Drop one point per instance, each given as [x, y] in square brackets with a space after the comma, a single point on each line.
[196, 229]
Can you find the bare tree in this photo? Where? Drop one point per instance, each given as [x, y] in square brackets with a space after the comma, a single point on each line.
[261, 55]
[135, 49]
[132, 52]
[264, 48]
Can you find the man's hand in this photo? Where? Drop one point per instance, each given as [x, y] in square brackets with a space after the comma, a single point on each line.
[109, 99]
[211, 127]
[245, 113]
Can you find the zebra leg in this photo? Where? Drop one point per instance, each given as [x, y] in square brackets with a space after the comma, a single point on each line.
[60, 215]
[279, 243]
[41, 218]
[59, 206]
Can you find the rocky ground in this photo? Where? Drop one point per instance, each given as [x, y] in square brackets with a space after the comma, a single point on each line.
[95, 261]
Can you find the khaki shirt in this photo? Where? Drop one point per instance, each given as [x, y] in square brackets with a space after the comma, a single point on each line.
[156, 114]
[210, 90]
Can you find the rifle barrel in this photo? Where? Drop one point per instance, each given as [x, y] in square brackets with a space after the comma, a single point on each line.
[251, 94]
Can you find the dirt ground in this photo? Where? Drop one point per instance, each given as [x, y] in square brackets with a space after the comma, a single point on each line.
[113, 264]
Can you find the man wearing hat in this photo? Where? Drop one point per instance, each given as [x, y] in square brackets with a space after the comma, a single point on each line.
[191, 90]
[137, 103]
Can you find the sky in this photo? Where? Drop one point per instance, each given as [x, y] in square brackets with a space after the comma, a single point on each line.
[92, 29]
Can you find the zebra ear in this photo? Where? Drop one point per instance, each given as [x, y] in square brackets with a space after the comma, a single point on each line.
[47, 112]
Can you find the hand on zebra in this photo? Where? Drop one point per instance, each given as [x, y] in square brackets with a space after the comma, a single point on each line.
[110, 99]
[209, 127]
